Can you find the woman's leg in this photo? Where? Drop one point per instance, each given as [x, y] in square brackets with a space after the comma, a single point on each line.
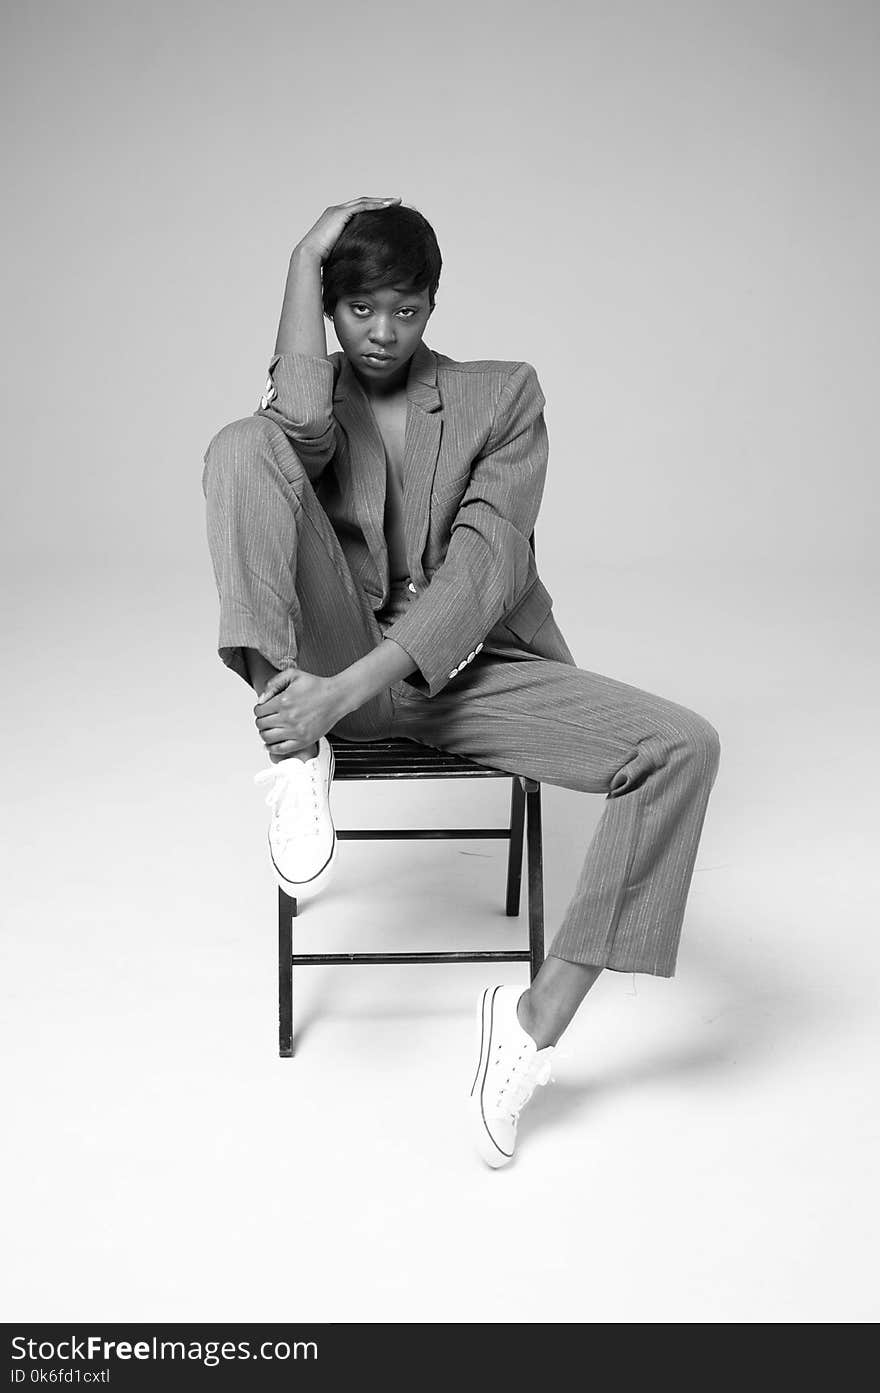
[287, 596]
[259, 669]
[548, 1006]
[656, 763]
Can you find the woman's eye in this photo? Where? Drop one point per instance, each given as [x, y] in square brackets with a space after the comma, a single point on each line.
[408, 311]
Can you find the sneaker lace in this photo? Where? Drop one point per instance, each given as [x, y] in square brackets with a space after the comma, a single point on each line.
[293, 797]
[516, 1081]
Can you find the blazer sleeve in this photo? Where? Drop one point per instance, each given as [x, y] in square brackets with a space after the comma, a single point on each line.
[299, 397]
[487, 562]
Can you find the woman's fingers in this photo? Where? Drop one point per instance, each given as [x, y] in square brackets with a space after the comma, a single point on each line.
[277, 726]
[275, 720]
[275, 738]
[276, 683]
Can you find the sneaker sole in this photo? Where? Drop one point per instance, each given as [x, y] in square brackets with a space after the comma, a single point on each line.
[305, 889]
[487, 1147]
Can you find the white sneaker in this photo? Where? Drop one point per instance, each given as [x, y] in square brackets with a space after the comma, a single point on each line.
[509, 1069]
[302, 838]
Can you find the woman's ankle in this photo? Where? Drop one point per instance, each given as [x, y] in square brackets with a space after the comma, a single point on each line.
[541, 1030]
[309, 752]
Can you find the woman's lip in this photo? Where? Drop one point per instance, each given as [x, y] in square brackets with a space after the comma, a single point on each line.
[378, 357]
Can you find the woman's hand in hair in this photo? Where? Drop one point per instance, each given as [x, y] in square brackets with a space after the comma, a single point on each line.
[322, 238]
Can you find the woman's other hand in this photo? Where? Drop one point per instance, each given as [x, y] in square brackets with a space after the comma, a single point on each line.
[295, 709]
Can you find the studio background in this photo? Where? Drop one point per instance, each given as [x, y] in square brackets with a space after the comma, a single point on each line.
[671, 212]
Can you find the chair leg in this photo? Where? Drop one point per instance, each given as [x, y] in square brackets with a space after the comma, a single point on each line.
[535, 852]
[515, 854]
[286, 914]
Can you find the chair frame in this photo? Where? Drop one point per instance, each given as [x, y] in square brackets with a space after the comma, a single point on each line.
[423, 762]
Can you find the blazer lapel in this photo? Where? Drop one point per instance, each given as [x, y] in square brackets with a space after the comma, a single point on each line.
[367, 464]
[424, 427]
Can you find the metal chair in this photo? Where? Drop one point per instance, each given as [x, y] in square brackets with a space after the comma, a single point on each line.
[406, 759]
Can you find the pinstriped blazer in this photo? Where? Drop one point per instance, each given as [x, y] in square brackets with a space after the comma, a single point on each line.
[474, 470]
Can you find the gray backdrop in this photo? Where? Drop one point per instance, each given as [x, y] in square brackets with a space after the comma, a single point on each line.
[671, 210]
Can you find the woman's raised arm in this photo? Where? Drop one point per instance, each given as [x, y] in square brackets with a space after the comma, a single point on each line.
[301, 329]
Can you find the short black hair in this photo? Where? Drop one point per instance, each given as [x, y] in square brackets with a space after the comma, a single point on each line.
[382, 246]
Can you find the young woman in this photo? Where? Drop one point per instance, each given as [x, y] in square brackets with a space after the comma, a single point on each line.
[369, 530]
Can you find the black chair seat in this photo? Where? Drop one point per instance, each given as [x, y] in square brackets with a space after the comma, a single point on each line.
[403, 759]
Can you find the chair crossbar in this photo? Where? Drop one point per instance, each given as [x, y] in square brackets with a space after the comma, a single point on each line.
[411, 834]
[511, 956]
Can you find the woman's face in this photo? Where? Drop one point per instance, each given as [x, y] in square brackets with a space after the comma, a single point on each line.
[380, 330]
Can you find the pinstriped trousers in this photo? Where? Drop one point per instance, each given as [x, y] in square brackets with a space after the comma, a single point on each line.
[285, 589]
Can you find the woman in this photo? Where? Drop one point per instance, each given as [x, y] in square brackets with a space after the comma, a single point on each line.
[369, 529]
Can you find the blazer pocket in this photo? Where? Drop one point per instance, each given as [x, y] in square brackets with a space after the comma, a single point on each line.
[445, 489]
[527, 616]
